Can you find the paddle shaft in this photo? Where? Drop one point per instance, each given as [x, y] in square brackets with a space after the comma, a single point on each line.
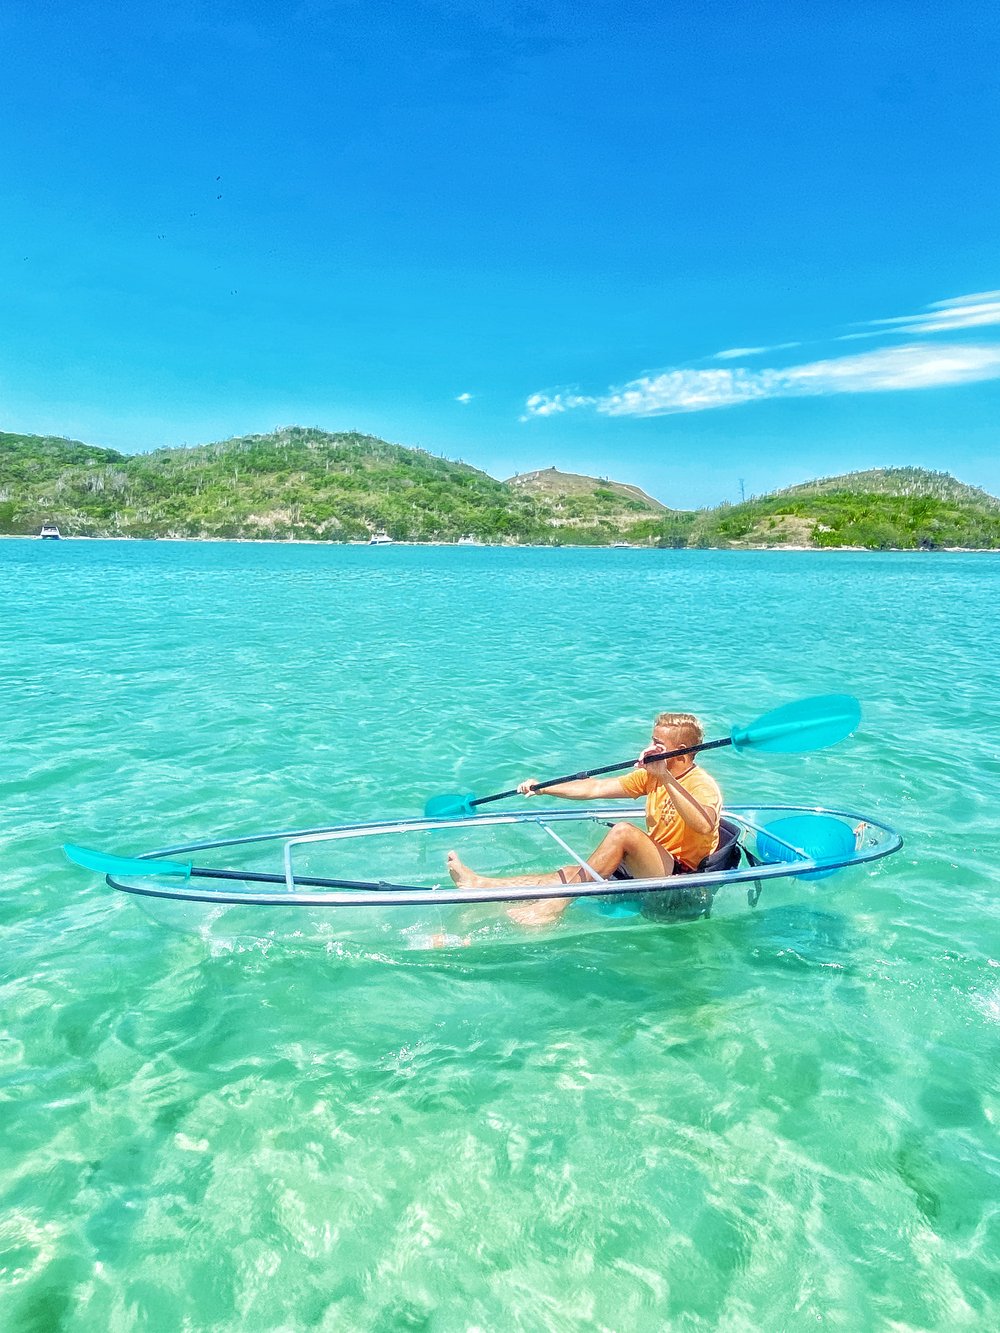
[262, 877]
[608, 768]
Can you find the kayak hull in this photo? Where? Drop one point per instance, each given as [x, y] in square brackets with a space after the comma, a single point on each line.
[416, 907]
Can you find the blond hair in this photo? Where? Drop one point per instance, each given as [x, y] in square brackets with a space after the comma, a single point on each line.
[686, 727]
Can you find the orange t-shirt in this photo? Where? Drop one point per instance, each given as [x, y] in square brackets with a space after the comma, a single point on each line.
[665, 826]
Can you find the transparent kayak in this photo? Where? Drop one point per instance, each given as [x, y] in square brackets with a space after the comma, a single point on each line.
[355, 873]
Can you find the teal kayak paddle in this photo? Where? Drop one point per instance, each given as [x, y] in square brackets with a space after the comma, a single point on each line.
[134, 867]
[807, 724]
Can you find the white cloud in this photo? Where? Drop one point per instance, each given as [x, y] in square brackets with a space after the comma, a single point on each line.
[973, 297]
[550, 405]
[739, 353]
[958, 312]
[464, 398]
[913, 366]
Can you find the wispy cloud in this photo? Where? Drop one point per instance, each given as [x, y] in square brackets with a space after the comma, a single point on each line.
[959, 312]
[913, 366]
[741, 353]
[551, 404]
[463, 398]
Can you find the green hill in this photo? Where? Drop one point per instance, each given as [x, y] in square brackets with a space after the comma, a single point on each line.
[28, 460]
[295, 482]
[341, 486]
[904, 482]
[574, 497]
[891, 508]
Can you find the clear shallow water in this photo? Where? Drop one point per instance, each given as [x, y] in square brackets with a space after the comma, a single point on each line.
[782, 1120]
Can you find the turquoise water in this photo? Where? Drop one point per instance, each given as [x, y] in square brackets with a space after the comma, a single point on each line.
[781, 1119]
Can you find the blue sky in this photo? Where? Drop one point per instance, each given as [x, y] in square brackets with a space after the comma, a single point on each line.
[659, 242]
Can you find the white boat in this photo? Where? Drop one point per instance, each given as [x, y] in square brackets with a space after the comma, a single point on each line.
[380, 539]
[369, 873]
[468, 540]
[50, 531]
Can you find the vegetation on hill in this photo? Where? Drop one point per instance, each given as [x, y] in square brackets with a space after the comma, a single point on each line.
[894, 509]
[316, 485]
[576, 498]
[302, 483]
[28, 460]
[905, 482]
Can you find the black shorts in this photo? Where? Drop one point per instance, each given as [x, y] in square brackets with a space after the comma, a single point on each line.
[622, 871]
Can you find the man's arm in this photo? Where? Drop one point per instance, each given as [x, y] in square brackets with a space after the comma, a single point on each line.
[581, 789]
[702, 819]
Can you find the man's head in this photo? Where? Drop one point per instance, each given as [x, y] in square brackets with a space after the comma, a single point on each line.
[675, 731]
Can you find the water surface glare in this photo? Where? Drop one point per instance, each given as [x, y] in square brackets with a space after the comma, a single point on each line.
[781, 1119]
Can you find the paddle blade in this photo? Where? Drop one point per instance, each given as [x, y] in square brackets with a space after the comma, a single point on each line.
[450, 806]
[105, 864]
[820, 837]
[807, 724]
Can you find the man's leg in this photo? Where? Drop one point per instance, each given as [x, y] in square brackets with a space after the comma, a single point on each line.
[623, 843]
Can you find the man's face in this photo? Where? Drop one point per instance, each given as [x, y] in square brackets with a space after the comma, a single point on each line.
[665, 738]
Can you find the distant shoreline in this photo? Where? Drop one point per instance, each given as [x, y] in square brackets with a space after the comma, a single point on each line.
[512, 546]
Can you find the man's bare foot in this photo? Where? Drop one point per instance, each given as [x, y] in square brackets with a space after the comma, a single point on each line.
[860, 833]
[441, 940]
[462, 875]
[541, 912]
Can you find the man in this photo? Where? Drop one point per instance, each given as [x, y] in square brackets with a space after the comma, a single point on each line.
[683, 806]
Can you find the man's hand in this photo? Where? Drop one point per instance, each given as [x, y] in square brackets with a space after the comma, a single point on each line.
[528, 786]
[650, 749]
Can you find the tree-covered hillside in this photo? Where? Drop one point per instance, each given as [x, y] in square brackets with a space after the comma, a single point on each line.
[849, 514]
[296, 482]
[876, 520]
[904, 482]
[317, 485]
[30, 460]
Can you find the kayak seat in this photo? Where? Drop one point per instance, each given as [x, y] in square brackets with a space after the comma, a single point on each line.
[727, 855]
[678, 902]
[683, 903]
